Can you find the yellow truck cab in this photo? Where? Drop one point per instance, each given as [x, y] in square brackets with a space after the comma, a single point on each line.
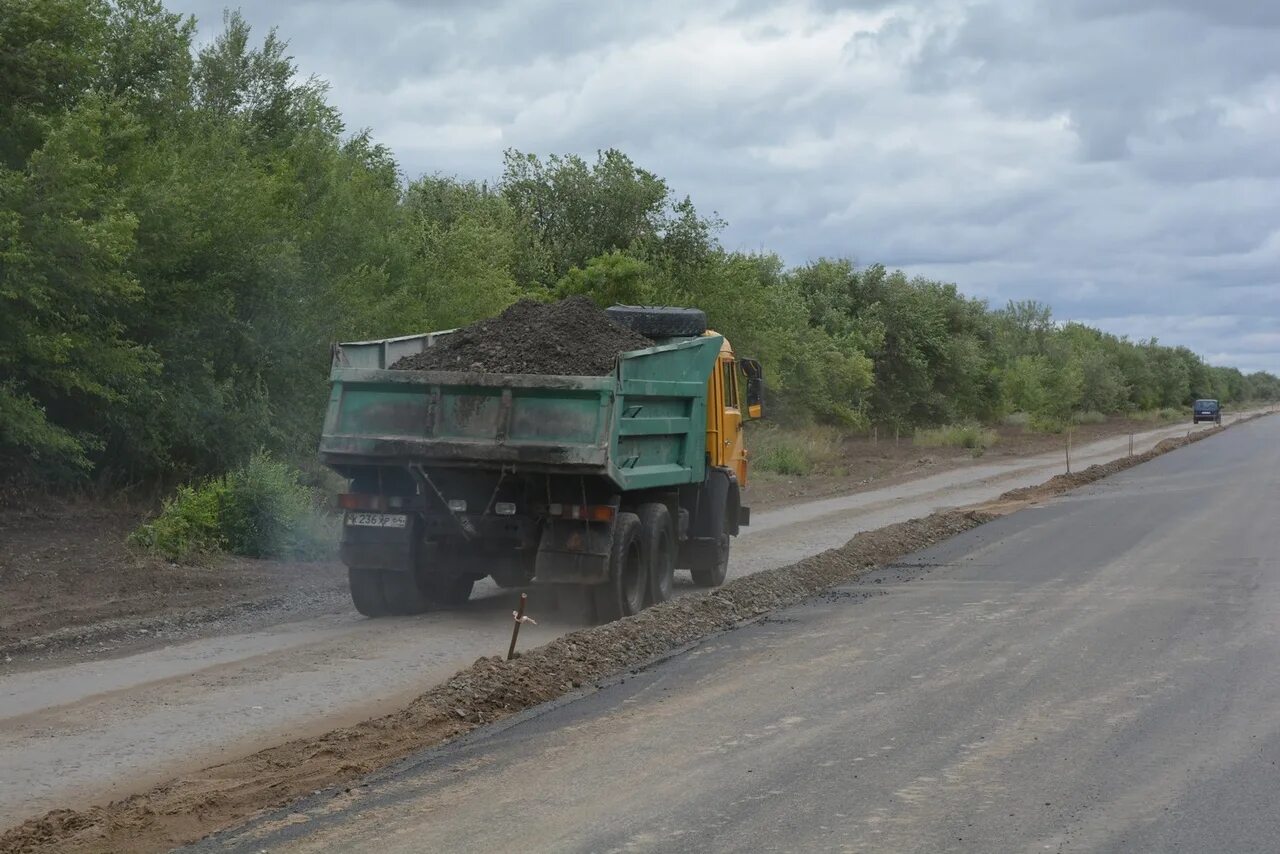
[726, 437]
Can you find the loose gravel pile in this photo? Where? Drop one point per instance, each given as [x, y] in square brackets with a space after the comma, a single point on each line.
[568, 338]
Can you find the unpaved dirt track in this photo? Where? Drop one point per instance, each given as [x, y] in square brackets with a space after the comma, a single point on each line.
[94, 731]
[1099, 673]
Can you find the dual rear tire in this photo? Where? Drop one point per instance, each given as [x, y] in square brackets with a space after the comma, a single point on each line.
[387, 593]
[642, 560]
[641, 564]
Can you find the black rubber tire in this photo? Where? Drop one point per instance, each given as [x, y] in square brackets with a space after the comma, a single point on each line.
[366, 592]
[624, 593]
[659, 544]
[659, 321]
[403, 594]
[712, 566]
[449, 591]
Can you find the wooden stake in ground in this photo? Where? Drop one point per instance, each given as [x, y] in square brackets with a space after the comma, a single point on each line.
[519, 616]
[1068, 450]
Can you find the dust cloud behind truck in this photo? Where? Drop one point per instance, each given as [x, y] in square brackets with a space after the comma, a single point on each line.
[601, 485]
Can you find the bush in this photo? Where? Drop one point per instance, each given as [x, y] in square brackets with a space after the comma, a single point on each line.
[793, 452]
[1041, 423]
[189, 524]
[1018, 419]
[968, 436]
[267, 512]
[1089, 417]
[258, 510]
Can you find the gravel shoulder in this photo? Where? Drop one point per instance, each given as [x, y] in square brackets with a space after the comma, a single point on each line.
[204, 800]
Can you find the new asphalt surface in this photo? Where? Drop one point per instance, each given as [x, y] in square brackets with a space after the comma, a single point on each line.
[1099, 673]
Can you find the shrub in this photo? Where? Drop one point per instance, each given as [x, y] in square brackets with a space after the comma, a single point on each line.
[1018, 419]
[257, 510]
[1041, 423]
[968, 436]
[188, 525]
[1089, 417]
[794, 452]
[267, 512]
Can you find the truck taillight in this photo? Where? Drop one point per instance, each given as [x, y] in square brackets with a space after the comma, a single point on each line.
[362, 501]
[587, 512]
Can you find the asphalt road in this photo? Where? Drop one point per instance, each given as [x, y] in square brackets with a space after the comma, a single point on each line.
[83, 733]
[1100, 673]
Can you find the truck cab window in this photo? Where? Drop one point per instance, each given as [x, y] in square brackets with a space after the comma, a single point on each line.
[730, 384]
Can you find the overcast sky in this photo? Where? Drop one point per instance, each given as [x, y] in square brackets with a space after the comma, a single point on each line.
[1118, 159]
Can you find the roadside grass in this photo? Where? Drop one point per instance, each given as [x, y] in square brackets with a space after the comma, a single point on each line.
[1168, 413]
[1090, 417]
[794, 452]
[970, 436]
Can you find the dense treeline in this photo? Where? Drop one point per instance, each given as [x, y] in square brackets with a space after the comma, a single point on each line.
[183, 232]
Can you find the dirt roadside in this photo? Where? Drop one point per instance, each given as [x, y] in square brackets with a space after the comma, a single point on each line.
[185, 809]
[863, 463]
[74, 588]
[72, 582]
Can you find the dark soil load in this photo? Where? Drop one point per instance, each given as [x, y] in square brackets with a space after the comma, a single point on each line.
[570, 338]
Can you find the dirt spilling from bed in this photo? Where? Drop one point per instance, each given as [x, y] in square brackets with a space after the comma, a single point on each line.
[568, 338]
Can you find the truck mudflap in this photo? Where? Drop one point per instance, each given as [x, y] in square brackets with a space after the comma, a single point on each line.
[573, 551]
[379, 547]
[744, 517]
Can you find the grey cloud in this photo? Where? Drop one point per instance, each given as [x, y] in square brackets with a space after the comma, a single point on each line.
[1115, 158]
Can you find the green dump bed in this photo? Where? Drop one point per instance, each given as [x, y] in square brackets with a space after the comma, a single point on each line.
[642, 426]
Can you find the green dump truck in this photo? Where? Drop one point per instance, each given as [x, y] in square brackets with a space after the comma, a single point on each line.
[600, 485]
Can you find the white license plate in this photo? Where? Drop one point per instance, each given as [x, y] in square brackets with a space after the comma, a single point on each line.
[377, 520]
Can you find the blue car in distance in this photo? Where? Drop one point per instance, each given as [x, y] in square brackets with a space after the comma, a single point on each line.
[1206, 410]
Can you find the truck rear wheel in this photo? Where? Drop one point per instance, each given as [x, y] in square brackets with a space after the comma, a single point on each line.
[403, 595]
[624, 593]
[659, 551]
[449, 591]
[712, 565]
[366, 592]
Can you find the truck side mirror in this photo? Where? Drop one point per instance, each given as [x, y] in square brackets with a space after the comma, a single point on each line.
[755, 387]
